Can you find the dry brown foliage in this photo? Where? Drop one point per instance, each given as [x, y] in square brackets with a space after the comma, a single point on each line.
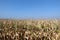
[29, 29]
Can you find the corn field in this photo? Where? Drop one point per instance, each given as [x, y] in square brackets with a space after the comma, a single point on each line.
[29, 29]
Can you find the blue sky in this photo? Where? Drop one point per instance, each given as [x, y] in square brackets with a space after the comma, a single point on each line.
[29, 8]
